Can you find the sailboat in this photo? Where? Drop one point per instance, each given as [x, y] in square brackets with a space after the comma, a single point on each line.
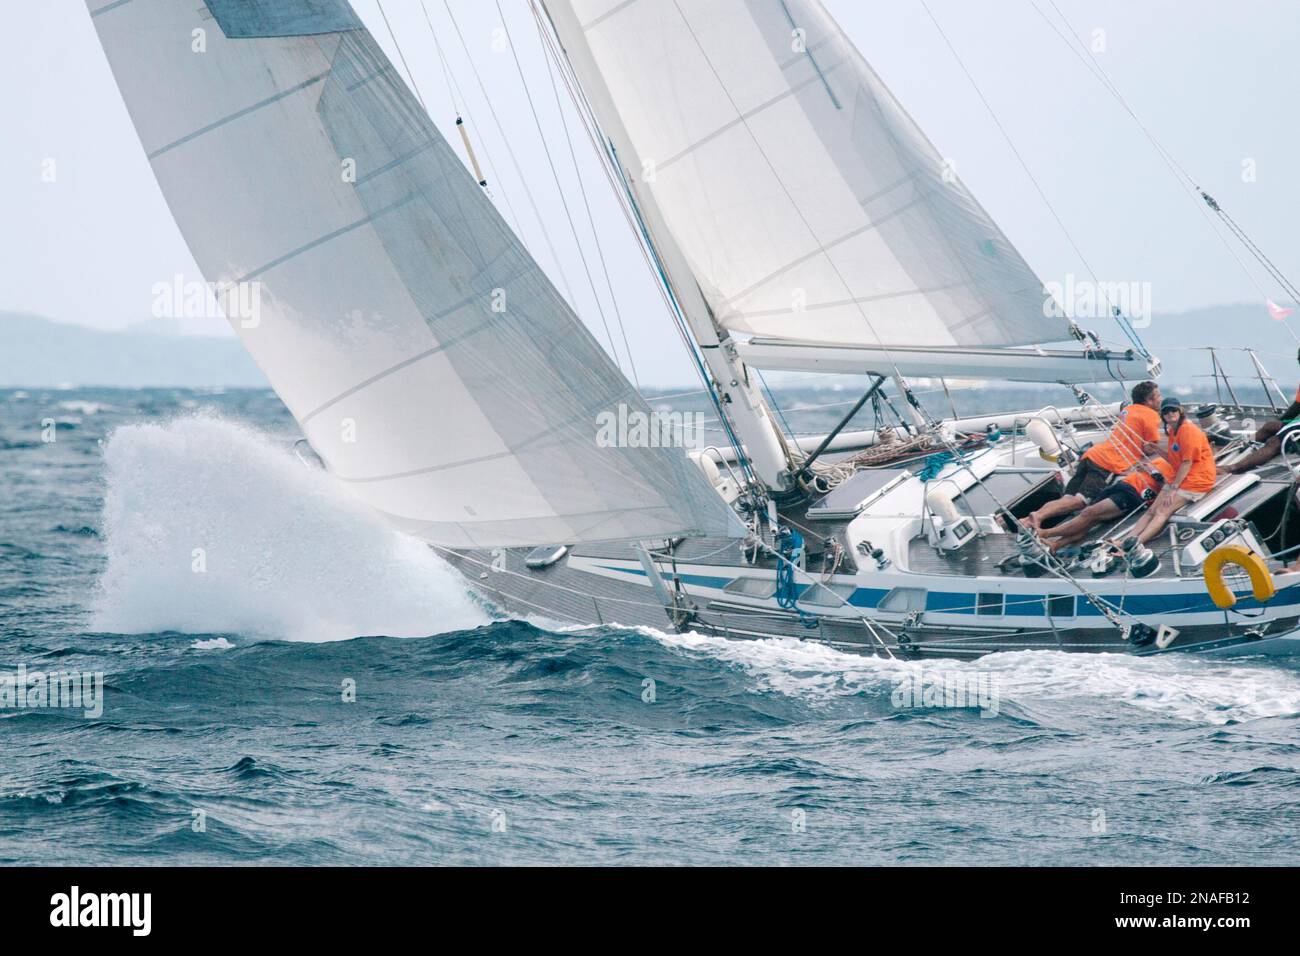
[795, 217]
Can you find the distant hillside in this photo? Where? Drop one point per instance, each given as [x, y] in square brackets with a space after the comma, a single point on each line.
[38, 353]
[1225, 326]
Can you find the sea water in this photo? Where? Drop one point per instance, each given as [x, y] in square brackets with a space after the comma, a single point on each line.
[286, 680]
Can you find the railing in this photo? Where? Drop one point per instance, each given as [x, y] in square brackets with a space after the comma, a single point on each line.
[1224, 382]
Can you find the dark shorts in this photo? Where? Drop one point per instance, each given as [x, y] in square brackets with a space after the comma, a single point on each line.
[1088, 480]
[1126, 497]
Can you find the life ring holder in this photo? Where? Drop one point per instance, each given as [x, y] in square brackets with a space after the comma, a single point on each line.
[1261, 580]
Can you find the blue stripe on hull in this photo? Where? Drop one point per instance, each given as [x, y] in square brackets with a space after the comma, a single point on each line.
[1024, 605]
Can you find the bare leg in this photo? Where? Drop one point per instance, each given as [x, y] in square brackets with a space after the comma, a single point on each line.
[1140, 528]
[1157, 517]
[1066, 541]
[1077, 528]
[1061, 506]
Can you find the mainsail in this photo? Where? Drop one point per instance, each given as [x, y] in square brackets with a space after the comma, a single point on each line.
[427, 357]
[807, 203]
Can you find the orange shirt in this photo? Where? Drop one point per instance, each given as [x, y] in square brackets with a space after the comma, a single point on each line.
[1119, 452]
[1190, 444]
[1141, 480]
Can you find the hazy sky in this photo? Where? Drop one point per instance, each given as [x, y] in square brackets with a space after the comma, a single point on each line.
[1215, 80]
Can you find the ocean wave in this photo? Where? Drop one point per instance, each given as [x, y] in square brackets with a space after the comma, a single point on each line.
[82, 407]
[211, 528]
[1174, 686]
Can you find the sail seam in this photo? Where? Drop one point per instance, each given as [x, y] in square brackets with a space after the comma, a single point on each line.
[526, 385]
[883, 296]
[740, 118]
[977, 289]
[109, 6]
[326, 238]
[236, 115]
[440, 347]
[825, 248]
[607, 14]
[507, 453]
[370, 381]
[370, 77]
[393, 164]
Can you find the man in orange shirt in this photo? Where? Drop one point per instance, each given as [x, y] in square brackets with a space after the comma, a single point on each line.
[1134, 436]
[1270, 438]
[1119, 499]
[1193, 460]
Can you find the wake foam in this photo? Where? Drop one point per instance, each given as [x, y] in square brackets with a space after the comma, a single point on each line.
[1180, 687]
[211, 528]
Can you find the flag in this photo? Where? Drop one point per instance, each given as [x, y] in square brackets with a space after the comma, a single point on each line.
[1277, 312]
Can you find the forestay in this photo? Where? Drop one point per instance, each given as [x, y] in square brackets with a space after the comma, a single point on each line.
[806, 201]
[428, 359]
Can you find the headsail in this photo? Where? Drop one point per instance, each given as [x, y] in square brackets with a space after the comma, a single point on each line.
[808, 204]
[427, 357]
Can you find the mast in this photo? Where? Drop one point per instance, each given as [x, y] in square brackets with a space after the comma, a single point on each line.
[740, 400]
[797, 206]
[429, 360]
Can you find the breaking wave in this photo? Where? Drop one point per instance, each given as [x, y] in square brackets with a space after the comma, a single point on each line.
[212, 528]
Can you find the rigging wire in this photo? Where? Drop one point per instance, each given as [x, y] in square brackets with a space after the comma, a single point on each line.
[402, 56]
[496, 120]
[645, 235]
[453, 93]
[1123, 322]
[772, 399]
[550, 161]
[1200, 198]
[453, 89]
[591, 220]
[641, 234]
[1111, 614]
[744, 123]
[1258, 253]
[457, 97]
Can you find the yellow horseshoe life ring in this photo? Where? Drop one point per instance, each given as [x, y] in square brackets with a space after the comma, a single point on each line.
[1261, 581]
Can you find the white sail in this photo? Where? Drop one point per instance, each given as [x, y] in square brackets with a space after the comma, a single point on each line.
[806, 201]
[428, 359]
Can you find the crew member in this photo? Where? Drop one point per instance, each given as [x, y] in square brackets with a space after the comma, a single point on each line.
[1188, 450]
[1270, 436]
[1118, 500]
[1135, 435]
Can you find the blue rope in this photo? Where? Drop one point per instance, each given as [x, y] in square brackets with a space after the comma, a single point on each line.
[935, 464]
[790, 547]
[1133, 337]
